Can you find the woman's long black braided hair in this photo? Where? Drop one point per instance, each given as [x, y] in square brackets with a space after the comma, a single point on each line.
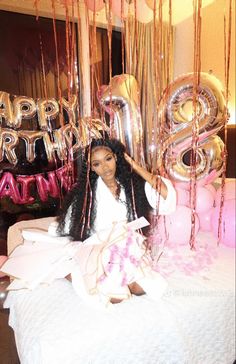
[81, 199]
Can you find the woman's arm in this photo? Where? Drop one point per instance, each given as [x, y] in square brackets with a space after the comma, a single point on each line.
[154, 180]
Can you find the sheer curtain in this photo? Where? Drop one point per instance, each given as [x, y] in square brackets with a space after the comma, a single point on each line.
[149, 57]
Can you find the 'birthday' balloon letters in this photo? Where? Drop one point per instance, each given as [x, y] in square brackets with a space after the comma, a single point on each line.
[61, 133]
[56, 141]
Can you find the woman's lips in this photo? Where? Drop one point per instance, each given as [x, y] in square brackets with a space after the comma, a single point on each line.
[107, 174]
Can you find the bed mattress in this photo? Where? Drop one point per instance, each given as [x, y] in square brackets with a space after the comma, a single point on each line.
[192, 323]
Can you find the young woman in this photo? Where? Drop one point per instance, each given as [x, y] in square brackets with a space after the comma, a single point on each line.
[112, 188]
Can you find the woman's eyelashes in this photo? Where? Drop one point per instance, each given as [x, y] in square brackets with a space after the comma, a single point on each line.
[95, 165]
[107, 159]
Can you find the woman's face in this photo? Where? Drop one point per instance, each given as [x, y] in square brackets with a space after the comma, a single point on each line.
[103, 163]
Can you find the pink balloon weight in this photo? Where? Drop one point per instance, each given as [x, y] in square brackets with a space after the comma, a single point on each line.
[182, 196]
[205, 220]
[178, 226]
[3, 259]
[204, 199]
[229, 193]
[228, 225]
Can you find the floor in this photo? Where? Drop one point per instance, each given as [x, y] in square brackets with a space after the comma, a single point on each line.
[8, 353]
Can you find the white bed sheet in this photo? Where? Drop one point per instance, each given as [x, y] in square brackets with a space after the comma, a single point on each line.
[193, 323]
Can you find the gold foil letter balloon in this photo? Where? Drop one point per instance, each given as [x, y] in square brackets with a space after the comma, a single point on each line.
[176, 109]
[121, 100]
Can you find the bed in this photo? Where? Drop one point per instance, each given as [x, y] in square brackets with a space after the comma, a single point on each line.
[193, 322]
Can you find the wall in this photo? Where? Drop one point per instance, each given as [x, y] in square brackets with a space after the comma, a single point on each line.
[212, 47]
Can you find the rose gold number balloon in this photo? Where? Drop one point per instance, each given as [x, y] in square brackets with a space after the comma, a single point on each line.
[121, 100]
[176, 107]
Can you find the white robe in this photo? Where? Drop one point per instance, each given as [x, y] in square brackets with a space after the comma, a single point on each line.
[110, 210]
[101, 267]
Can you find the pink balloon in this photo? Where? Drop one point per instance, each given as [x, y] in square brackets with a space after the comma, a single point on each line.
[95, 4]
[116, 8]
[182, 196]
[3, 259]
[229, 193]
[178, 226]
[8, 187]
[211, 188]
[204, 199]
[228, 225]
[47, 186]
[144, 13]
[205, 219]
[182, 185]
[25, 182]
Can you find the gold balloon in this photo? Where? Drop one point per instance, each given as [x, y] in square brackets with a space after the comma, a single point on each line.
[58, 145]
[6, 112]
[121, 100]
[8, 141]
[177, 110]
[70, 133]
[30, 138]
[91, 128]
[48, 109]
[70, 107]
[24, 108]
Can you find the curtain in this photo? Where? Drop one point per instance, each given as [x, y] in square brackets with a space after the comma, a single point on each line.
[149, 57]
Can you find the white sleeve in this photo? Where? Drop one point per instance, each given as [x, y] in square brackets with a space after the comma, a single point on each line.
[166, 206]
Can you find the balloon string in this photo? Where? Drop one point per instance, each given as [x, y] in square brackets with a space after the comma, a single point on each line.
[153, 137]
[109, 33]
[169, 43]
[73, 48]
[162, 125]
[123, 35]
[93, 54]
[96, 78]
[160, 54]
[79, 32]
[195, 125]
[44, 80]
[68, 50]
[70, 34]
[227, 56]
[228, 48]
[57, 63]
[136, 36]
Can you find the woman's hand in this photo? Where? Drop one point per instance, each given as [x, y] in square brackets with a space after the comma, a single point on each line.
[154, 180]
[134, 165]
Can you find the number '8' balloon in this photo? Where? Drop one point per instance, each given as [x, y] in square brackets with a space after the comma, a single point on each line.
[176, 109]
